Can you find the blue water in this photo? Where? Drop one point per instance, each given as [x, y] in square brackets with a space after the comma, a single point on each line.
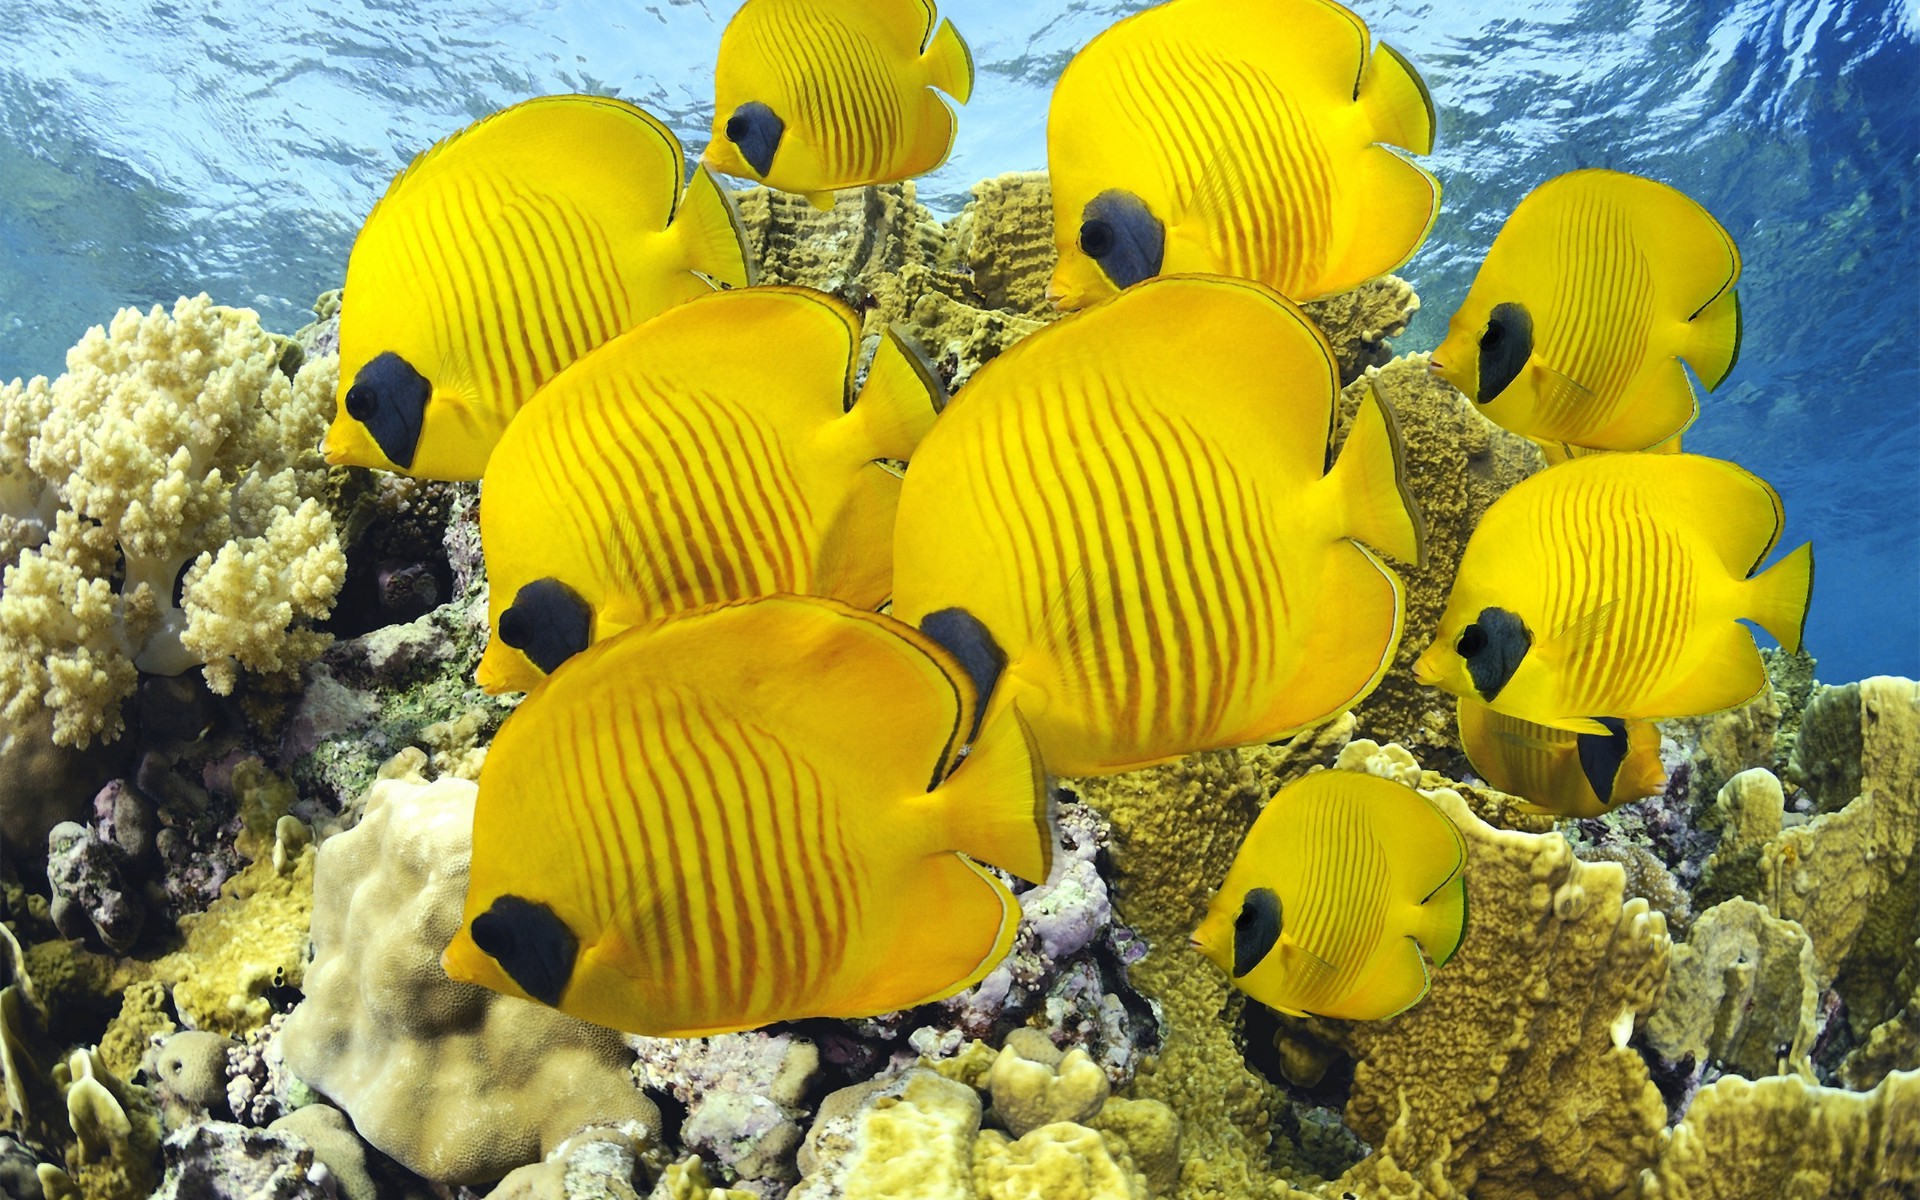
[150, 149]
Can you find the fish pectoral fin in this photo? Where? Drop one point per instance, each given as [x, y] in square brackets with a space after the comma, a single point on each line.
[1576, 634]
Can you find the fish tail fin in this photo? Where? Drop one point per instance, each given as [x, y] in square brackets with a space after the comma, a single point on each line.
[1443, 920]
[1398, 106]
[997, 805]
[950, 63]
[1714, 344]
[855, 560]
[1371, 477]
[709, 236]
[898, 402]
[1778, 597]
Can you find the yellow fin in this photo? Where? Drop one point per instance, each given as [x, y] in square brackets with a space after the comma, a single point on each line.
[821, 200]
[1661, 408]
[1397, 103]
[939, 126]
[1399, 202]
[1397, 982]
[996, 806]
[1443, 920]
[1371, 475]
[898, 402]
[963, 924]
[1714, 345]
[1739, 512]
[855, 560]
[707, 231]
[1730, 672]
[1348, 654]
[1778, 597]
[950, 63]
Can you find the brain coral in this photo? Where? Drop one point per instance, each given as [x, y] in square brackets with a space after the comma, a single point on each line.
[458, 1083]
[173, 443]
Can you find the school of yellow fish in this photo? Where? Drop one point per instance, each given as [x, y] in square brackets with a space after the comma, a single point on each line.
[738, 792]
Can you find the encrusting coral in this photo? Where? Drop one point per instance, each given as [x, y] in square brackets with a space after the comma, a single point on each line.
[1788, 1138]
[1741, 994]
[457, 1083]
[173, 442]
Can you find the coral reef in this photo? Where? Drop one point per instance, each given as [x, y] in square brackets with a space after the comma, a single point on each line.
[455, 1082]
[174, 452]
[1458, 463]
[1741, 995]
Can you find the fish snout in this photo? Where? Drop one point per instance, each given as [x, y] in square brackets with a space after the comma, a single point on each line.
[1426, 672]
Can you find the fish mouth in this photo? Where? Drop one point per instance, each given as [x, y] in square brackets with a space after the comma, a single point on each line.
[1424, 673]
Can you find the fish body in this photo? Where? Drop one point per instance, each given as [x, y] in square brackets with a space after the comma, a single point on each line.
[1237, 137]
[815, 95]
[1614, 585]
[1595, 291]
[708, 455]
[748, 814]
[502, 254]
[1134, 504]
[1559, 772]
[1342, 881]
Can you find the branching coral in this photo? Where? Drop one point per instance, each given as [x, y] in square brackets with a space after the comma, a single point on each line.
[173, 441]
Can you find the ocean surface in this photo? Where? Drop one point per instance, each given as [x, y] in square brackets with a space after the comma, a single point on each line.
[153, 149]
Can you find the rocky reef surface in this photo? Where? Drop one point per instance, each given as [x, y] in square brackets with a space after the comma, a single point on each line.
[238, 734]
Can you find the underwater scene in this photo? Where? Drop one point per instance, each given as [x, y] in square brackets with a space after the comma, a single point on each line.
[878, 600]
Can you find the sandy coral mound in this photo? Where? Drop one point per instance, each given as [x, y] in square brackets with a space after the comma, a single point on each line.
[176, 449]
[1458, 463]
[457, 1083]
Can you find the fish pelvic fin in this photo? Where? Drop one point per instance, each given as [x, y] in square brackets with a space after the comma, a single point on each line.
[898, 402]
[996, 804]
[1398, 106]
[950, 63]
[707, 235]
[1713, 344]
[822, 201]
[1777, 598]
[1371, 478]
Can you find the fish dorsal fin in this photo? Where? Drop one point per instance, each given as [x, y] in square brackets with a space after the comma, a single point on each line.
[787, 354]
[537, 139]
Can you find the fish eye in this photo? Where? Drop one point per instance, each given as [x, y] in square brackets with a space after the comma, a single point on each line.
[1256, 930]
[1495, 334]
[1096, 238]
[1473, 640]
[736, 128]
[516, 629]
[361, 402]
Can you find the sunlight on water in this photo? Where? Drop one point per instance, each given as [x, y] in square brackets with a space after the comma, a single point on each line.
[152, 149]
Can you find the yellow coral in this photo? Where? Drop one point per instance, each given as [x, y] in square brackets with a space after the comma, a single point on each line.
[1062, 1161]
[242, 602]
[251, 940]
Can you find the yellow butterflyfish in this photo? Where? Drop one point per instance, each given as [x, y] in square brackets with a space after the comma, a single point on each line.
[1132, 509]
[746, 814]
[1594, 292]
[1237, 137]
[707, 455]
[1614, 585]
[815, 95]
[1344, 878]
[502, 254]
[1559, 772]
